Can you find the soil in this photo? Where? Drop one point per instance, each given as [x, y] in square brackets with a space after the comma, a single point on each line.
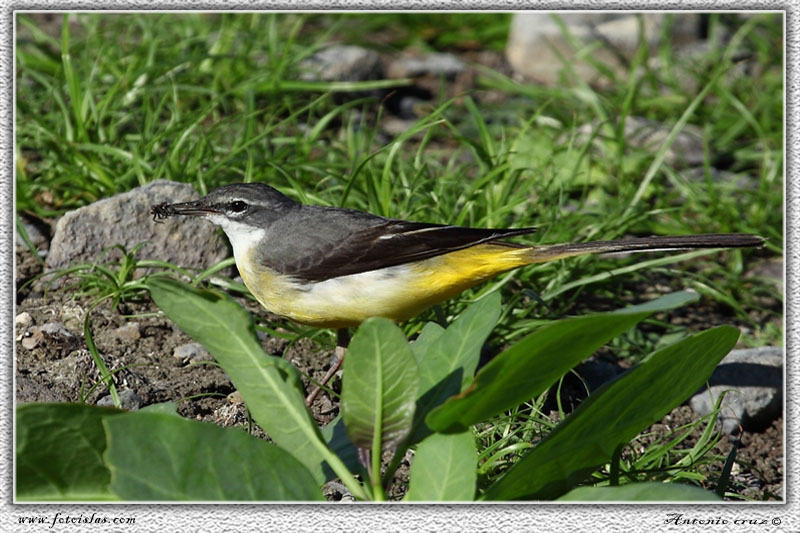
[55, 365]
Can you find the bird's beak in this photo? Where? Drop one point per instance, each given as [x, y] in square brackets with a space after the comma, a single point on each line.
[196, 208]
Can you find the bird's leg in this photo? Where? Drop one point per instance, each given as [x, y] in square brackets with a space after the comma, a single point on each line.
[342, 340]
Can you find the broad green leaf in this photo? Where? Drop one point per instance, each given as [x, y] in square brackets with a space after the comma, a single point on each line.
[447, 362]
[640, 492]
[613, 415]
[533, 364]
[163, 407]
[59, 452]
[444, 469]
[156, 456]
[669, 301]
[430, 332]
[379, 385]
[459, 346]
[269, 385]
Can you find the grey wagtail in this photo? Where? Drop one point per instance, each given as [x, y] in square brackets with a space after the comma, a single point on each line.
[334, 267]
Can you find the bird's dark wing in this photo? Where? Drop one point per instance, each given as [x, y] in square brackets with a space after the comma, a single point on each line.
[341, 243]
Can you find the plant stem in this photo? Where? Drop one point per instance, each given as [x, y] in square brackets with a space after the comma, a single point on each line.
[375, 475]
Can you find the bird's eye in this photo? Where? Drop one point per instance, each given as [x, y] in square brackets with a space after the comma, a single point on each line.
[238, 206]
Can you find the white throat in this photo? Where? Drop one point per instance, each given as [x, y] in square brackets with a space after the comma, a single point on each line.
[243, 237]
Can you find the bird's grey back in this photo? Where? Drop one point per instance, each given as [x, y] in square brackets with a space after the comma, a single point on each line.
[303, 237]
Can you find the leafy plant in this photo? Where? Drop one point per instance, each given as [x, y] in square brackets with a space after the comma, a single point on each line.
[396, 395]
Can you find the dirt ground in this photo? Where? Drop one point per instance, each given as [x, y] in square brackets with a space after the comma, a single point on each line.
[54, 365]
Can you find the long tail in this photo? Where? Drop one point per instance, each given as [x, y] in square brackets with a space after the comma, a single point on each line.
[542, 254]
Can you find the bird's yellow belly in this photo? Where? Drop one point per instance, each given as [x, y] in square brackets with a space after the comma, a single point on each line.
[398, 292]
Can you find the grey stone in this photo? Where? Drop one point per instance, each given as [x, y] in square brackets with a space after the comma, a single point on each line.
[536, 43]
[686, 149]
[753, 382]
[34, 234]
[740, 181]
[82, 235]
[343, 63]
[191, 352]
[446, 65]
[23, 320]
[129, 332]
[128, 400]
[396, 126]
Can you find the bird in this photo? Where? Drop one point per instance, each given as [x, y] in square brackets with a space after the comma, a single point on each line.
[335, 267]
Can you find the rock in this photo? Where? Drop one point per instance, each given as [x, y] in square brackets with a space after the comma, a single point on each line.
[343, 63]
[82, 235]
[537, 47]
[52, 333]
[446, 65]
[23, 320]
[740, 181]
[128, 333]
[35, 230]
[753, 379]
[128, 399]
[235, 397]
[686, 149]
[191, 352]
[396, 126]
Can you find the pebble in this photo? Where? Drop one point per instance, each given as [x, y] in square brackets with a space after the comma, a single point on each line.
[129, 400]
[23, 320]
[52, 332]
[129, 332]
[36, 237]
[446, 65]
[192, 351]
[235, 397]
[343, 63]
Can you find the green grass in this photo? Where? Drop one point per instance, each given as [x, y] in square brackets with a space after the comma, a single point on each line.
[106, 103]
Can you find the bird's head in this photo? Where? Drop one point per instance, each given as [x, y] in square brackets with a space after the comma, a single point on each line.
[243, 210]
